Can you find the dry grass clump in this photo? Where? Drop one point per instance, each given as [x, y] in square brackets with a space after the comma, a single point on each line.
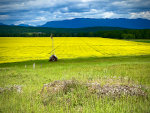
[64, 88]
[17, 88]
[94, 87]
[60, 86]
[116, 90]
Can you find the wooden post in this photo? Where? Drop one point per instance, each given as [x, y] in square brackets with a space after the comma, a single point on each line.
[53, 56]
[53, 51]
[33, 65]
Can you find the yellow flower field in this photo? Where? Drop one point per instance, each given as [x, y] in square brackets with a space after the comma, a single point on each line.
[20, 49]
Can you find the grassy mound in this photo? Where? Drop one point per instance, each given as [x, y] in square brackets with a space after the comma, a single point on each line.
[56, 90]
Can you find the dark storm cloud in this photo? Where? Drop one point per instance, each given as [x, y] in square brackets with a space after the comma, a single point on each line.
[36, 12]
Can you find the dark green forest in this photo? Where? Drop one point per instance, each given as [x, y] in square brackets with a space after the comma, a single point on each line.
[110, 32]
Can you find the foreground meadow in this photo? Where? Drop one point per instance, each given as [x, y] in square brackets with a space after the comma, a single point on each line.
[21, 49]
[108, 71]
[111, 76]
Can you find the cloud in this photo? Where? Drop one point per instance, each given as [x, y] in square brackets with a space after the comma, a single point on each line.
[145, 15]
[37, 12]
[3, 17]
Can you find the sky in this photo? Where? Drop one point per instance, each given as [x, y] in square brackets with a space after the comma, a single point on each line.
[38, 12]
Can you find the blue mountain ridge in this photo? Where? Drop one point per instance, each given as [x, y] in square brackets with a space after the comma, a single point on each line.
[24, 25]
[2, 24]
[91, 22]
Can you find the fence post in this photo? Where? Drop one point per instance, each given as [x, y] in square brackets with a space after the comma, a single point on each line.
[33, 65]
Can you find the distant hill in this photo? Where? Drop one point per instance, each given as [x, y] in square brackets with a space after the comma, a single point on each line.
[24, 25]
[2, 24]
[89, 22]
[22, 29]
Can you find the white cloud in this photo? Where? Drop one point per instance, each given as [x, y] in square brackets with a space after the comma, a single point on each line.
[33, 4]
[41, 19]
[20, 22]
[145, 15]
[3, 17]
[108, 14]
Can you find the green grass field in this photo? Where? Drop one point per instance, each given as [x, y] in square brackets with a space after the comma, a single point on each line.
[131, 69]
[141, 40]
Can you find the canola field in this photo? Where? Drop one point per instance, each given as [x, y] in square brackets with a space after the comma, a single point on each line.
[13, 49]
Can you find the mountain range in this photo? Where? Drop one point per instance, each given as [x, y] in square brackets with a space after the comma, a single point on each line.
[2, 24]
[24, 25]
[91, 22]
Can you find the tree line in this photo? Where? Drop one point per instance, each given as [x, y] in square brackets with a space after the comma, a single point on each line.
[118, 34]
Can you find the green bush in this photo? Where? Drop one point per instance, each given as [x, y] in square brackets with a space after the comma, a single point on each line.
[128, 36]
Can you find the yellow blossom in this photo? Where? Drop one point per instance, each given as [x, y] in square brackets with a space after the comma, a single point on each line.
[13, 49]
